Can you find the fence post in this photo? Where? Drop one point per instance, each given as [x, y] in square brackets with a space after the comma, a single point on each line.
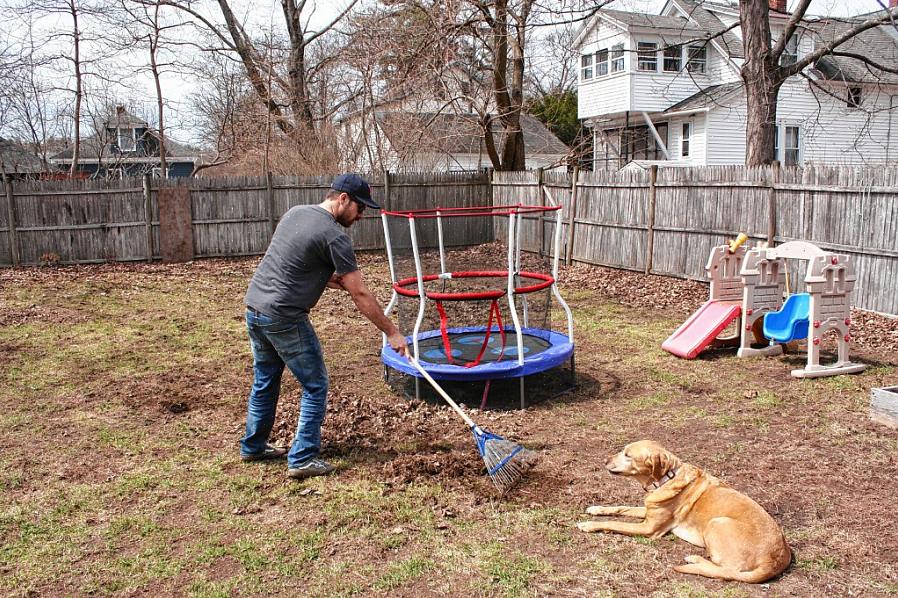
[148, 215]
[650, 241]
[570, 220]
[771, 202]
[541, 228]
[11, 219]
[269, 190]
[387, 203]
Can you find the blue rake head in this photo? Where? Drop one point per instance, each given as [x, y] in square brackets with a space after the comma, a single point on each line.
[496, 451]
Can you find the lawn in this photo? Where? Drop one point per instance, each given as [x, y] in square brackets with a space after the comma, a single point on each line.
[122, 397]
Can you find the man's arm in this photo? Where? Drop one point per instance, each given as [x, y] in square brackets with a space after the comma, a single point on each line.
[368, 305]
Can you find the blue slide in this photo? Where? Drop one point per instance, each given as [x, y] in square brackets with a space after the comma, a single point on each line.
[791, 321]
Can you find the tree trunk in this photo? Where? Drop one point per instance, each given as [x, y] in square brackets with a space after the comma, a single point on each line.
[762, 82]
[79, 93]
[760, 126]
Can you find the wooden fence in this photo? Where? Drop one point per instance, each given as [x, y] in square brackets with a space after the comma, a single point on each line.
[78, 222]
[666, 221]
[662, 221]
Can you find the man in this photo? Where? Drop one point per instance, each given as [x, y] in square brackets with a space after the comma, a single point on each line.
[309, 251]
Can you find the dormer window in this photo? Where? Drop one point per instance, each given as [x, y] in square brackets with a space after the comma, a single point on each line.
[673, 59]
[586, 67]
[647, 56]
[602, 62]
[790, 52]
[698, 59]
[617, 58]
[125, 139]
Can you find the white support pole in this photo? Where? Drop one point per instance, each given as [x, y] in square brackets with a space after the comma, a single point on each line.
[395, 297]
[517, 269]
[422, 297]
[442, 247]
[512, 222]
[562, 302]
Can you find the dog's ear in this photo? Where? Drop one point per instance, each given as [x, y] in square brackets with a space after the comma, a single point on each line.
[659, 463]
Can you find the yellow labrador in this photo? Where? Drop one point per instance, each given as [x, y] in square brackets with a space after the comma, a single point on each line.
[742, 541]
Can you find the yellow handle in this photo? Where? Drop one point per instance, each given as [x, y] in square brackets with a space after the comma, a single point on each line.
[735, 243]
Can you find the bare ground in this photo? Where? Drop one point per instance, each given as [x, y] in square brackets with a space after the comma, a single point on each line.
[804, 449]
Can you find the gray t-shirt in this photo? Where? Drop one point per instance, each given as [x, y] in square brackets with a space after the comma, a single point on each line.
[307, 248]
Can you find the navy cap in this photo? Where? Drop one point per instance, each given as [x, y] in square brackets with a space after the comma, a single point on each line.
[357, 188]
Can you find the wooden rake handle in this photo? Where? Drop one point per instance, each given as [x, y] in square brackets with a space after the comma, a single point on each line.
[442, 392]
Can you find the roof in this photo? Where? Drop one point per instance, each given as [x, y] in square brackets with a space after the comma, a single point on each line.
[709, 96]
[123, 118]
[712, 25]
[16, 159]
[876, 43]
[460, 133]
[649, 21]
[89, 145]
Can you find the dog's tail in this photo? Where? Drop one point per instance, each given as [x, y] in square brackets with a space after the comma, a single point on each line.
[701, 566]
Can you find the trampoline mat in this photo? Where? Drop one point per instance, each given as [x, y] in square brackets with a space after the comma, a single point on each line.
[465, 346]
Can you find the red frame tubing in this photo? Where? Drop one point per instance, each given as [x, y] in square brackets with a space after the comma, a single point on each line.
[545, 281]
[471, 211]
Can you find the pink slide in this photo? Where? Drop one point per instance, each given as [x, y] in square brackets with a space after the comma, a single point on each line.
[701, 328]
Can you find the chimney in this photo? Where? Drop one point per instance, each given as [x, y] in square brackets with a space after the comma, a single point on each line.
[780, 5]
[119, 110]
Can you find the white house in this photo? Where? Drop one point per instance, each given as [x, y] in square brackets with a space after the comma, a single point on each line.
[668, 87]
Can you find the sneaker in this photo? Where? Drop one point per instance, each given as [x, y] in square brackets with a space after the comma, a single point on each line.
[270, 452]
[310, 469]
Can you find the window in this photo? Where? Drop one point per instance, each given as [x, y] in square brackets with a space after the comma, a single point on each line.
[602, 62]
[125, 139]
[647, 56]
[158, 174]
[698, 59]
[790, 52]
[791, 145]
[854, 97]
[672, 59]
[791, 141]
[685, 139]
[617, 58]
[586, 67]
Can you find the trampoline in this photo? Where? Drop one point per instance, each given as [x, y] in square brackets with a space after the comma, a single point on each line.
[488, 352]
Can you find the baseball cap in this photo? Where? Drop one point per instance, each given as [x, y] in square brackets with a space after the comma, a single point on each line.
[357, 188]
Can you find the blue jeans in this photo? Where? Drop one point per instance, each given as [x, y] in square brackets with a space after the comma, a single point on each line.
[276, 343]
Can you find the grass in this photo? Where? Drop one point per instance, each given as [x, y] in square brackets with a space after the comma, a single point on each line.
[125, 497]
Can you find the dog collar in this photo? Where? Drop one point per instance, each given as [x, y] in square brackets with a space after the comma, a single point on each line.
[671, 474]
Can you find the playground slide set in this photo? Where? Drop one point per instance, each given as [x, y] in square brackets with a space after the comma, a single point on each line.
[747, 286]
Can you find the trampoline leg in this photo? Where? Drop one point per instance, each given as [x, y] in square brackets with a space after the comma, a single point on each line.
[417, 388]
[523, 398]
[573, 372]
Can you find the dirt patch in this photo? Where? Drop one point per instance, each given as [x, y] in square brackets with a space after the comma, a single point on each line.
[804, 449]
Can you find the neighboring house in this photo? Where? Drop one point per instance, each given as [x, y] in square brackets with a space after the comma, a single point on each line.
[652, 87]
[17, 162]
[126, 146]
[412, 141]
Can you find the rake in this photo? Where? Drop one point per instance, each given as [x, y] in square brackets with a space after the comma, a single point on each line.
[506, 462]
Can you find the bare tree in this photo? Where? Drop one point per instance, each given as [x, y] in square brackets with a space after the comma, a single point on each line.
[146, 25]
[290, 93]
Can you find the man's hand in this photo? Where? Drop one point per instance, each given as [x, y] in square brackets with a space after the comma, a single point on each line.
[336, 282]
[397, 342]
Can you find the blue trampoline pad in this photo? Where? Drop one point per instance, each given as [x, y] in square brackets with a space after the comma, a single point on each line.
[543, 350]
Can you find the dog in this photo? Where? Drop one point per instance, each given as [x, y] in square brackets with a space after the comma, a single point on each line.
[742, 541]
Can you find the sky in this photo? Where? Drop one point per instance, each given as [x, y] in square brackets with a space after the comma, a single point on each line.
[261, 15]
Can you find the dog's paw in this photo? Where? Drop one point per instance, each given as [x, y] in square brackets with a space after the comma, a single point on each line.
[586, 526]
[692, 559]
[595, 511]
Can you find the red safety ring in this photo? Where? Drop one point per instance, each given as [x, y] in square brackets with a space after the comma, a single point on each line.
[401, 286]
